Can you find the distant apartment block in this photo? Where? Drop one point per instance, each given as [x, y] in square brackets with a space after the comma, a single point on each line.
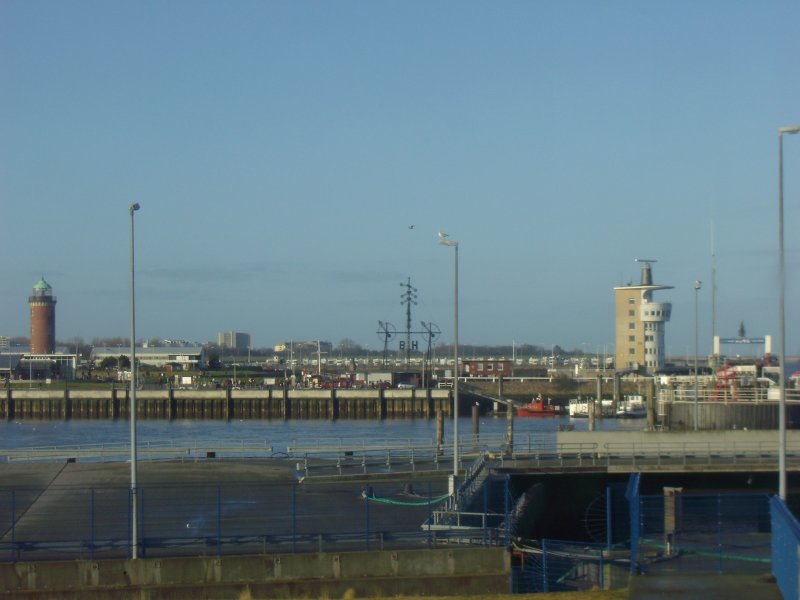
[4, 342]
[640, 324]
[234, 339]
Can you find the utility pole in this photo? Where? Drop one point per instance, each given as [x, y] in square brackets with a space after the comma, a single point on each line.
[408, 297]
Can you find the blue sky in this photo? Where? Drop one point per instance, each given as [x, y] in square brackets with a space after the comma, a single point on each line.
[281, 150]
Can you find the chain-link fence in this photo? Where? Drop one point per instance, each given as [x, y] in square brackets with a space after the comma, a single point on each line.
[62, 522]
[704, 532]
[560, 566]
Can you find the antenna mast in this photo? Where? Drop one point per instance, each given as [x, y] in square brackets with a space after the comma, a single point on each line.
[408, 297]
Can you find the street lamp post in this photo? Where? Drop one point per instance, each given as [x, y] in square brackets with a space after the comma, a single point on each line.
[782, 321]
[697, 285]
[446, 241]
[134, 500]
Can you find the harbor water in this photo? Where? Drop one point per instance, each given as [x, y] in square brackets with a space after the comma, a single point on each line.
[279, 435]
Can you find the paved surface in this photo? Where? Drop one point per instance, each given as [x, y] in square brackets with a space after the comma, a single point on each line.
[704, 586]
[75, 510]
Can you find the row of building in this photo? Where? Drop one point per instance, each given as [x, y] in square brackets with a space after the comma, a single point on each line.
[639, 335]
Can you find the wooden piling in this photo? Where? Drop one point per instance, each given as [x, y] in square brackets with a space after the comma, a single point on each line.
[439, 430]
[650, 399]
[599, 395]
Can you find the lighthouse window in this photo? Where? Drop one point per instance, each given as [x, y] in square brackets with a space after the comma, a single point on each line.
[631, 325]
[631, 300]
[631, 338]
[631, 313]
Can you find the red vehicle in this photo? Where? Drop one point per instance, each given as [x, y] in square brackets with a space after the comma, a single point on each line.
[539, 408]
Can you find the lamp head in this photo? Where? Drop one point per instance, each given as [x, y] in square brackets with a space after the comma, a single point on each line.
[698, 284]
[133, 207]
[448, 242]
[789, 129]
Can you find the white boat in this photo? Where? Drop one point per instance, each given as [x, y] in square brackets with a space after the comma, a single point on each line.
[632, 407]
[579, 408]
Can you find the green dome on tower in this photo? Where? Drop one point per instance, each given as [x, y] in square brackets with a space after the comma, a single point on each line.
[42, 285]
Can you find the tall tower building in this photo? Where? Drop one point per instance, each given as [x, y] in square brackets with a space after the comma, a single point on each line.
[640, 323]
[43, 318]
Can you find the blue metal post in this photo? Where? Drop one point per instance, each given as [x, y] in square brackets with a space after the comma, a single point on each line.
[719, 531]
[366, 519]
[507, 503]
[14, 525]
[634, 508]
[219, 521]
[430, 516]
[545, 587]
[609, 507]
[294, 518]
[485, 509]
[91, 524]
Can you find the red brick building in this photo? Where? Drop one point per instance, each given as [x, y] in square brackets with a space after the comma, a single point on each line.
[486, 367]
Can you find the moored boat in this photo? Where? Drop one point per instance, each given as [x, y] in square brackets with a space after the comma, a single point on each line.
[539, 408]
[579, 408]
[632, 407]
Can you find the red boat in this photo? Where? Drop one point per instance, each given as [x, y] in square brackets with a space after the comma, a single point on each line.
[539, 408]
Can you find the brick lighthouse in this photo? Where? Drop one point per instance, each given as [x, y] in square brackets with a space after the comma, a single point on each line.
[43, 318]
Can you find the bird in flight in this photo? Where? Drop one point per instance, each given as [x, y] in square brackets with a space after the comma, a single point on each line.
[443, 235]
[411, 227]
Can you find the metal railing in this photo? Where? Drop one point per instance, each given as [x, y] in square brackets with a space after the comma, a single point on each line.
[634, 455]
[340, 456]
[198, 519]
[154, 449]
[725, 394]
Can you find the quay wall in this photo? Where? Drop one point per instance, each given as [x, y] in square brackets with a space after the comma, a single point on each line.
[436, 572]
[727, 415]
[276, 403]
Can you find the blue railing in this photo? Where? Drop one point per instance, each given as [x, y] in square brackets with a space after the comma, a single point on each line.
[632, 496]
[785, 548]
[698, 532]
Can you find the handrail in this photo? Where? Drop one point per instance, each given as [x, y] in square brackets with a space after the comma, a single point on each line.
[423, 449]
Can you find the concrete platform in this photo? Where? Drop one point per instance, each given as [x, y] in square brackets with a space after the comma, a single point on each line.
[704, 586]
